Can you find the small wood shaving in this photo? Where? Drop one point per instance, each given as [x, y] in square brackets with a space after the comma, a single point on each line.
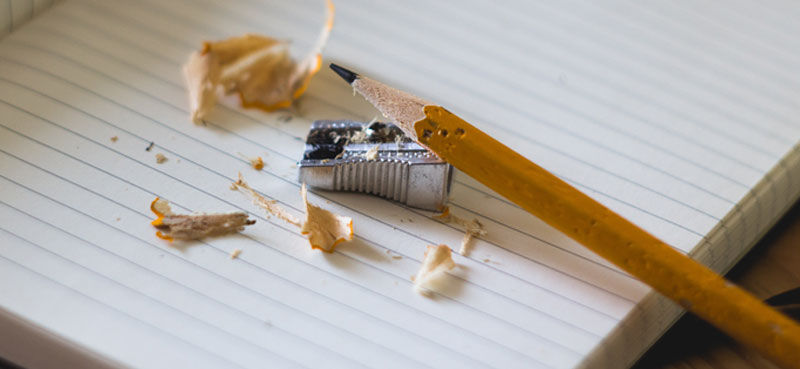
[395, 257]
[372, 153]
[257, 163]
[114, 139]
[325, 229]
[160, 158]
[359, 136]
[473, 228]
[437, 261]
[235, 253]
[257, 68]
[271, 206]
[173, 226]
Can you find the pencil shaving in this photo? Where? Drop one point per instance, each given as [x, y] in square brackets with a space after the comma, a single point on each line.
[271, 206]
[257, 163]
[472, 228]
[438, 260]
[372, 153]
[160, 158]
[235, 253]
[257, 68]
[325, 229]
[173, 226]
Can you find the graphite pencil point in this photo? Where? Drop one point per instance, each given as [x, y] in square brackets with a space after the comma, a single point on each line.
[346, 74]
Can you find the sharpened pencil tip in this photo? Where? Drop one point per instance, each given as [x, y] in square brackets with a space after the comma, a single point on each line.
[346, 74]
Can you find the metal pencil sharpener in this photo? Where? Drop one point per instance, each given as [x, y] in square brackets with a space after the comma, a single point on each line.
[375, 158]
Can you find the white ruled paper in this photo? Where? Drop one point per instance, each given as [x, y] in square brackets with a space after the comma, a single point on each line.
[679, 117]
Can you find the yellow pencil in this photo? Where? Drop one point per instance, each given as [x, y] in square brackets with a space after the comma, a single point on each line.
[690, 284]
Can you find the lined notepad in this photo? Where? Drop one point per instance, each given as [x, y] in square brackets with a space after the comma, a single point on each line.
[680, 116]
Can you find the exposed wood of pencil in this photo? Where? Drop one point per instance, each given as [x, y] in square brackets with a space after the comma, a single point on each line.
[692, 285]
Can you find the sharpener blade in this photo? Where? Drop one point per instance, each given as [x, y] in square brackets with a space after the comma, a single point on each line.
[336, 158]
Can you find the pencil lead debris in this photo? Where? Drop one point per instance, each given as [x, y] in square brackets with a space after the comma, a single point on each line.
[438, 260]
[150, 146]
[374, 158]
[160, 158]
[257, 68]
[472, 228]
[173, 226]
[325, 230]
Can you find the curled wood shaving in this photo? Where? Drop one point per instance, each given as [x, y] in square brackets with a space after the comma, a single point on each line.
[257, 68]
[160, 158]
[235, 253]
[173, 226]
[437, 261]
[324, 229]
[257, 163]
[472, 228]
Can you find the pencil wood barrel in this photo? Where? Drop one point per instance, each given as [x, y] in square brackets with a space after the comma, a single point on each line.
[692, 285]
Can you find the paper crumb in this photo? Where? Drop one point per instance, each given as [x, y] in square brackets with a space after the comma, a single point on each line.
[372, 153]
[437, 261]
[114, 139]
[235, 253]
[472, 228]
[194, 226]
[160, 158]
[257, 68]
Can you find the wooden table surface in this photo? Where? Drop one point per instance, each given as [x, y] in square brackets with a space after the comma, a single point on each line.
[772, 267]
